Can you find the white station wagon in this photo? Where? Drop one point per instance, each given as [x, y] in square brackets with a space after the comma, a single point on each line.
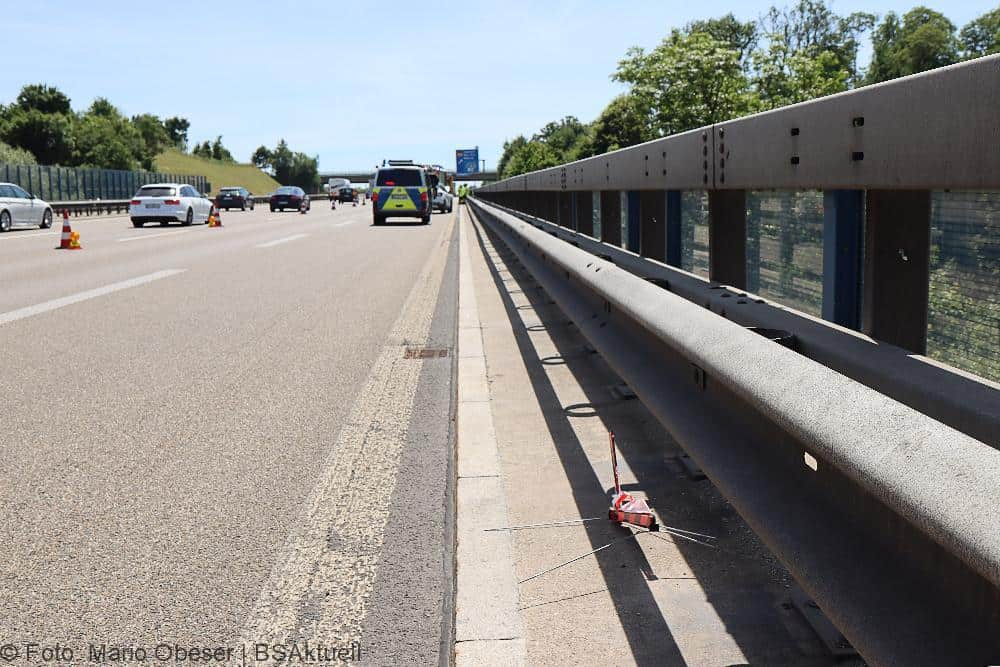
[169, 202]
[19, 208]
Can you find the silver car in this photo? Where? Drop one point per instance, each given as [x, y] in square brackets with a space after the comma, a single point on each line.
[19, 208]
[443, 200]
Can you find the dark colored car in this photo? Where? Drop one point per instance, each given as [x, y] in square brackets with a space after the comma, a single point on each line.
[234, 197]
[289, 196]
[345, 194]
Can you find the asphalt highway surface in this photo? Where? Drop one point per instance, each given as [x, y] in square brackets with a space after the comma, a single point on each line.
[229, 437]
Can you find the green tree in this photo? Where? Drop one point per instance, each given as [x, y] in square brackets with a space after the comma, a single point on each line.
[262, 158]
[204, 149]
[739, 36]
[923, 40]
[509, 148]
[11, 155]
[155, 137]
[291, 168]
[622, 123]
[565, 137]
[99, 143]
[688, 81]
[45, 135]
[981, 37]
[104, 138]
[177, 128]
[46, 99]
[810, 29]
[219, 152]
[531, 156]
[782, 78]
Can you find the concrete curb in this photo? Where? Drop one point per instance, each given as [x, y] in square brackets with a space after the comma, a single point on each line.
[488, 625]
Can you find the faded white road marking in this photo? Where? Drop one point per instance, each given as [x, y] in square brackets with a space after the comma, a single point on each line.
[14, 237]
[37, 309]
[293, 237]
[321, 583]
[153, 236]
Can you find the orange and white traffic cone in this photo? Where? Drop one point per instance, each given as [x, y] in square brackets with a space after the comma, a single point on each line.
[66, 232]
[218, 218]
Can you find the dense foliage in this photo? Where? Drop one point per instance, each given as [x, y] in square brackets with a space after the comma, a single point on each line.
[722, 68]
[43, 127]
[288, 167]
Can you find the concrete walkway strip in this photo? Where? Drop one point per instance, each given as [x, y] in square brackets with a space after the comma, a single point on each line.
[488, 625]
[46, 306]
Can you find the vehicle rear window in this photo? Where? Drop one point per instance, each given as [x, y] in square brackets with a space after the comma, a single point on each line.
[229, 190]
[154, 191]
[286, 190]
[407, 178]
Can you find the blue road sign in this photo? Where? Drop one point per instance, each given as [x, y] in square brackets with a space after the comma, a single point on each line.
[467, 161]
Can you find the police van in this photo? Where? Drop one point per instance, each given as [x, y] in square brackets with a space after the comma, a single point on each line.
[402, 190]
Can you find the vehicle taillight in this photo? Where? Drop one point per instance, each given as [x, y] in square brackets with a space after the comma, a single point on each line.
[294, 197]
[172, 202]
[374, 196]
[423, 196]
[135, 202]
[390, 182]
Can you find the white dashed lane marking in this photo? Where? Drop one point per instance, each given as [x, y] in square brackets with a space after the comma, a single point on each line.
[44, 307]
[287, 239]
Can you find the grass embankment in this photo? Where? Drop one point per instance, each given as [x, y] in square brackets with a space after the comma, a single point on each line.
[219, 174]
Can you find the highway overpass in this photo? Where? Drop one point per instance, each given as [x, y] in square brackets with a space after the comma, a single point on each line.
[362, 176]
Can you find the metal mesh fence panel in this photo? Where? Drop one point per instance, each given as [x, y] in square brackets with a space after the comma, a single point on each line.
[80, 183]
[963, 327]
[785, 248]
[694, 232]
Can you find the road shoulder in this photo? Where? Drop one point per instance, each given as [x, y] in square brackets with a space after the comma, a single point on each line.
[488, 627]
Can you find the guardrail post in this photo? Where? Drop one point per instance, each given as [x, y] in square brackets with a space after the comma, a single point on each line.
[584, 212]
[727, 237]
[611, 217]
[843, 225]
[653, 212]
[633, 240]
[897, 267]
[673, 228]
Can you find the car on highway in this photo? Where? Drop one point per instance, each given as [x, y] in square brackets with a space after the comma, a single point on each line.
[291, 197]
[443, 200]
[401, 190]
[234, 197]
[20, 208]
[169, 202]
[345, 194]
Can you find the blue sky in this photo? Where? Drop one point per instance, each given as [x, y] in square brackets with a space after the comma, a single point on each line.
[356, 82]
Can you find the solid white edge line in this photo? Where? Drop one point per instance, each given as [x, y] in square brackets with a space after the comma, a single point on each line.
[293, 237]
[38, 309]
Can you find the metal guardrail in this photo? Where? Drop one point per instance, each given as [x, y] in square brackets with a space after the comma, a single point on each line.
[887, 517]
[929, 130]
[119, 206]
[967, 404]
[877, 152]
